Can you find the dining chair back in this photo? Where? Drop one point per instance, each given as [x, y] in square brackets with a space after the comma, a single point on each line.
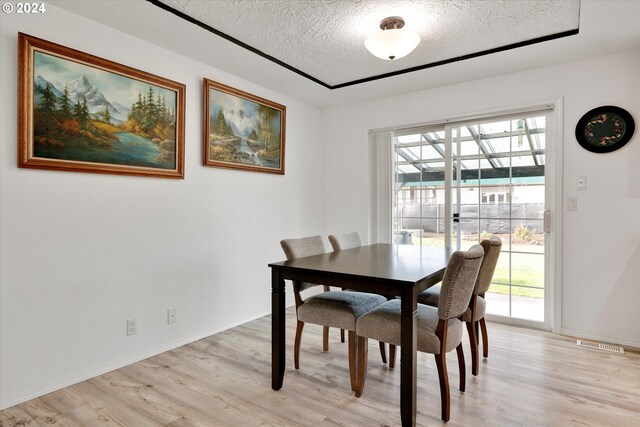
[492, 249]
[474, 314]
[458, 282]
[439, 330]
[340, 242]
[300, 248]
[338, 309]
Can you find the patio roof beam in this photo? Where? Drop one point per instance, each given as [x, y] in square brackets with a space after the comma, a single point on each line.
[530, 140]
[468, 138]
[434, 144]
[411, 161]
[476, 138]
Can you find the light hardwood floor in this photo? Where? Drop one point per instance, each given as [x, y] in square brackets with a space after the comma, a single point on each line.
[531, 378]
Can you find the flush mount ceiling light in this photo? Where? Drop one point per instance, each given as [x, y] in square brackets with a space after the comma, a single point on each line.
[392, 42]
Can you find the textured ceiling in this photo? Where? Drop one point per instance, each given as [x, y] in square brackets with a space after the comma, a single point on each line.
[606, 26]
[325, 38]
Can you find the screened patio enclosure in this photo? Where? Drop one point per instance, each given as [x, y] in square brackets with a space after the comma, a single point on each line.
[458, 184]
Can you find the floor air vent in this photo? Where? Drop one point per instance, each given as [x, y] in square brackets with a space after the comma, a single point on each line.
[600, 346]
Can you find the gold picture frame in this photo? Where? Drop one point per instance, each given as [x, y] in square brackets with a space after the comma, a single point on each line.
[242, 131]
[81, 113]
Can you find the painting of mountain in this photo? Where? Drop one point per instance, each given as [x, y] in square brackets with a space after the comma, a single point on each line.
[243, 131]
[98, 118]
[87, 114]
[120, 111]
[39, 84]
[82, 87]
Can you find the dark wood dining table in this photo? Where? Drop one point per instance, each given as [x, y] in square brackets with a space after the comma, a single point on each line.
[386, 269]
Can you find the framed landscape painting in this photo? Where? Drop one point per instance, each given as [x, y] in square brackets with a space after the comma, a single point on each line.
[81, 113]
[242, 131]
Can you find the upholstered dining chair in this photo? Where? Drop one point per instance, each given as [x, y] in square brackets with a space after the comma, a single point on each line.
[340, 242]
[336, 309]
[474, 315]
[346, 241]
[439, 329]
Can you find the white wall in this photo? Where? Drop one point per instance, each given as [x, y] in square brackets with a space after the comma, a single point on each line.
[81, 253]
[601, 252]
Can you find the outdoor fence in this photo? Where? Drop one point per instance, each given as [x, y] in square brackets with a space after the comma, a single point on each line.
[495, 218]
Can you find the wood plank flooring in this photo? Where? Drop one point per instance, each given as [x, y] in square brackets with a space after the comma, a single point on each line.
[531, 378]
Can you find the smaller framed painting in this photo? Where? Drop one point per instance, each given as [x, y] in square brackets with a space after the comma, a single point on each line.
[605, 129]
[242, 131]
[82, 113]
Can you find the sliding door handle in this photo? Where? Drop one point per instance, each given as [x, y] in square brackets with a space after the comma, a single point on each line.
[547, 221]
[456, 217]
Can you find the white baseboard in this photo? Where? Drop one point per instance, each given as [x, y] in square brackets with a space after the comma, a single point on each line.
[116, 364]
[601, 337]
[611, 339]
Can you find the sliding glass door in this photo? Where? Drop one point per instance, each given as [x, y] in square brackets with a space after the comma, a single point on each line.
[419, 187]
[458, 184]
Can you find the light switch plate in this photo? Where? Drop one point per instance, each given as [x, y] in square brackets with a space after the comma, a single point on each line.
[572, 203]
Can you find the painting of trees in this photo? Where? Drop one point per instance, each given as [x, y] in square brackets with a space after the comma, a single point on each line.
[220, 126]
[79, 112]
[151, 117]
[243, 131]
[57, 116]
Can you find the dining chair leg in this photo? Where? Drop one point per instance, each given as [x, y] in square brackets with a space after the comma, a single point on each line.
[341, 335]
[392, 356]
[473, 341]
[296, 345]
[362, 352]
[485, 338]
[383, 352]
[461, 367]
[441, 363]
[353, 359]
[325, 338]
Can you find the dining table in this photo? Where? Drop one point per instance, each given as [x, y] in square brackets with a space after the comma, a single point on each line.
[392, 270]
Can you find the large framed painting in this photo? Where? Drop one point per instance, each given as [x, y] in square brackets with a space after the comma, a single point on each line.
[82, 113]
[242, 131]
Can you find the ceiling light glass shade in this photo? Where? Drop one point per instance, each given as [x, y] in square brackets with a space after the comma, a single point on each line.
[392, 44]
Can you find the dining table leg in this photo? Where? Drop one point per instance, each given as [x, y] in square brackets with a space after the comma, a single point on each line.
[278, 337]
[408, 361]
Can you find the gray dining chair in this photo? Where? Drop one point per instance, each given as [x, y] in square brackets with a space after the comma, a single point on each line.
[474, 315]
[336, 309]
[439, 330]
[340, 242]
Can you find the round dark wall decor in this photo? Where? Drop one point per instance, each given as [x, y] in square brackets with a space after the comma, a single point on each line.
[605, 129]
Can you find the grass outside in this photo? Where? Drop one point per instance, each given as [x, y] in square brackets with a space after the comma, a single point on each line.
[527, 269]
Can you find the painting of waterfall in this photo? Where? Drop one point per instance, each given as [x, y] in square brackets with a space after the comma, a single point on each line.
[84, 113]
[242, 131]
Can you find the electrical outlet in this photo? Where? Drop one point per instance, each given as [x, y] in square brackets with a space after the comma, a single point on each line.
[581, 183]
[132, 326]
[171, 315]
